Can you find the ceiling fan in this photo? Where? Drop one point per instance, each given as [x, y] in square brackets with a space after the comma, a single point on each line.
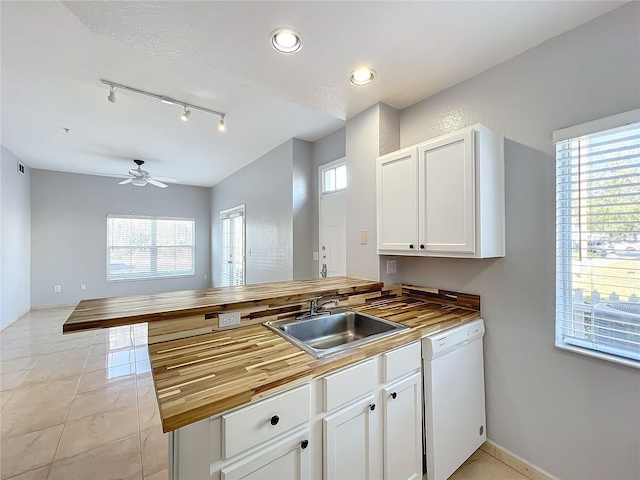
[140, 178]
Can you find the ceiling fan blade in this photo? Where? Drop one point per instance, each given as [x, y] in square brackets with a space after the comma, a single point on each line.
[155, 182]
[128, 180]
[164, 179]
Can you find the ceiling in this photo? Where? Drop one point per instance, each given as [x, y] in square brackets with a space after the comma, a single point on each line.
[216, 54]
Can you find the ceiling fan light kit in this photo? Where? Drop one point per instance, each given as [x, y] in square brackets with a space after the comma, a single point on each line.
[140, 178]
[164, 99]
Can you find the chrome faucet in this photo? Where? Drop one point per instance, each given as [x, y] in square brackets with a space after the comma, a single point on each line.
[314, 308]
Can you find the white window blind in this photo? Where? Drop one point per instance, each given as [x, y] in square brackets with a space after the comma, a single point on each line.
[598, 244]
[149, 247]
[232, 246]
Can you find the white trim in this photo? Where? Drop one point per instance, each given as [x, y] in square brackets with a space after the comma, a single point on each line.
[15, 319]
[597, 354]
[328, 166]
[595, 126]
[516, 462]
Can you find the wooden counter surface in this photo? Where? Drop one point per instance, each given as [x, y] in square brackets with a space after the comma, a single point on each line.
[117, 311]
[205, 375]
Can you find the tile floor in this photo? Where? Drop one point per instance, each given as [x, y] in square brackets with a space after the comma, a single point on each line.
[79, 406]
[82, 406]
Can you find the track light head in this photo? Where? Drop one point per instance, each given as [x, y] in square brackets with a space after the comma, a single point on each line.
[221, 126]
[185, 115]
[112, 95]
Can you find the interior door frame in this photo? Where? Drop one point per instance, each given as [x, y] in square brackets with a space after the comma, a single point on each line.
[326, 166]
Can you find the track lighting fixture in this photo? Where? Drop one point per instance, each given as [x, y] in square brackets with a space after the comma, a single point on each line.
[164, 99]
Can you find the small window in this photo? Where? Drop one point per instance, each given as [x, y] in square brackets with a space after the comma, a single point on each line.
[149, 247]
[232, 223]
[598, 241]
[334, 179]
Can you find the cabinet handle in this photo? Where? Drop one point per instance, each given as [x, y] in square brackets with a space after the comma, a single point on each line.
[304, 444]
[394, 395]
[411, 246]
[421, 247]
[275, 419]
[372, 407]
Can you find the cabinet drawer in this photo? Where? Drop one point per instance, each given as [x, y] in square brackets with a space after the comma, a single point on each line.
[401, 361]
[257, 423]
[349, 384]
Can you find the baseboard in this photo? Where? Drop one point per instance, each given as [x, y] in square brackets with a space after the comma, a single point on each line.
[519, 464]
[59, 305]
[15, 318]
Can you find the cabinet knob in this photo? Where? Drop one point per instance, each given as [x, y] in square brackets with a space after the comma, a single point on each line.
[394, 395]
[372, 407]
[411, 246]
[275, 419]
[421, 247]
[304, 444]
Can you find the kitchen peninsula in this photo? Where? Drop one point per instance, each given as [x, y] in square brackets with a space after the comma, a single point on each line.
[216, 384]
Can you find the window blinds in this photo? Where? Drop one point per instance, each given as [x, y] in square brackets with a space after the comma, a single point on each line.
[598, 243]
[232, 247]
[149, 247]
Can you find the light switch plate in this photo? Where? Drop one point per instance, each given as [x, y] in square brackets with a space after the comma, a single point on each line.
[363, 237]
[57, 288]
[315, 255]
[229, 318]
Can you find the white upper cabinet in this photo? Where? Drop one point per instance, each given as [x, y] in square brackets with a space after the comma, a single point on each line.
[444, 197]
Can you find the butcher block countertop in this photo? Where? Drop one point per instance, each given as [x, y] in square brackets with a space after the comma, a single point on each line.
[202, 376]
[117, 311]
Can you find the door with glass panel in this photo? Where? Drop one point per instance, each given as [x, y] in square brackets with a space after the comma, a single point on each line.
[232, 251]
[333, 219]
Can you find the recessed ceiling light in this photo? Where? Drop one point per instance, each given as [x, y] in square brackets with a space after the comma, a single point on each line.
[362, 76]
[286, 40]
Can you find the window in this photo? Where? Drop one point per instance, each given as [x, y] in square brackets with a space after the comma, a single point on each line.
[232, 248]
[149, 247]
[598, 238]
[334, 179]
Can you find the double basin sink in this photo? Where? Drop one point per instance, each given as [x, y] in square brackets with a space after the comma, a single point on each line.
[332, 332]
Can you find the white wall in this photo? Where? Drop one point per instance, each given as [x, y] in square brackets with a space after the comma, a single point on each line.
[15, 239]
[574, 416]
[69, 234]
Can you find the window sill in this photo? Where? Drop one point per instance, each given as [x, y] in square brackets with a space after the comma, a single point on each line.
[600, 355]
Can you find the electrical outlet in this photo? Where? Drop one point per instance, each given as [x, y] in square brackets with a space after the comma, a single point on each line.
[57, 289]
[391, 266]
[205, 277]
[363, 237]
[229, 318]
[83, 286]
[315, 255]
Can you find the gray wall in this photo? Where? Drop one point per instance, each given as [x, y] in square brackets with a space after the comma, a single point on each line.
[265, 187]
[369, 134]
[302, 213]
[69, 234]
[574, 416]
[15, 239]
[326, 150]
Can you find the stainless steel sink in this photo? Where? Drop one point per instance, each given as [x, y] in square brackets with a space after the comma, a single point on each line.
[324, 335]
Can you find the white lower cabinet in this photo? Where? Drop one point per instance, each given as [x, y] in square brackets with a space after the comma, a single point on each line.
[348, 441]
[361, 422]
[402, 429]
[286, 459]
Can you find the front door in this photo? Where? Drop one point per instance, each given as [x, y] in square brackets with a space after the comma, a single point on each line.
[333, 219]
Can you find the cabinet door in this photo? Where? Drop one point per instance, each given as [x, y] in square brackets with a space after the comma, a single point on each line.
[402, 432]
[447, 194]
[287, 459]
[397, 201]
[347, 442]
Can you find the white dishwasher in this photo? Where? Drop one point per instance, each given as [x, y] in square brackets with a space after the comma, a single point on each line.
[454, 409]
